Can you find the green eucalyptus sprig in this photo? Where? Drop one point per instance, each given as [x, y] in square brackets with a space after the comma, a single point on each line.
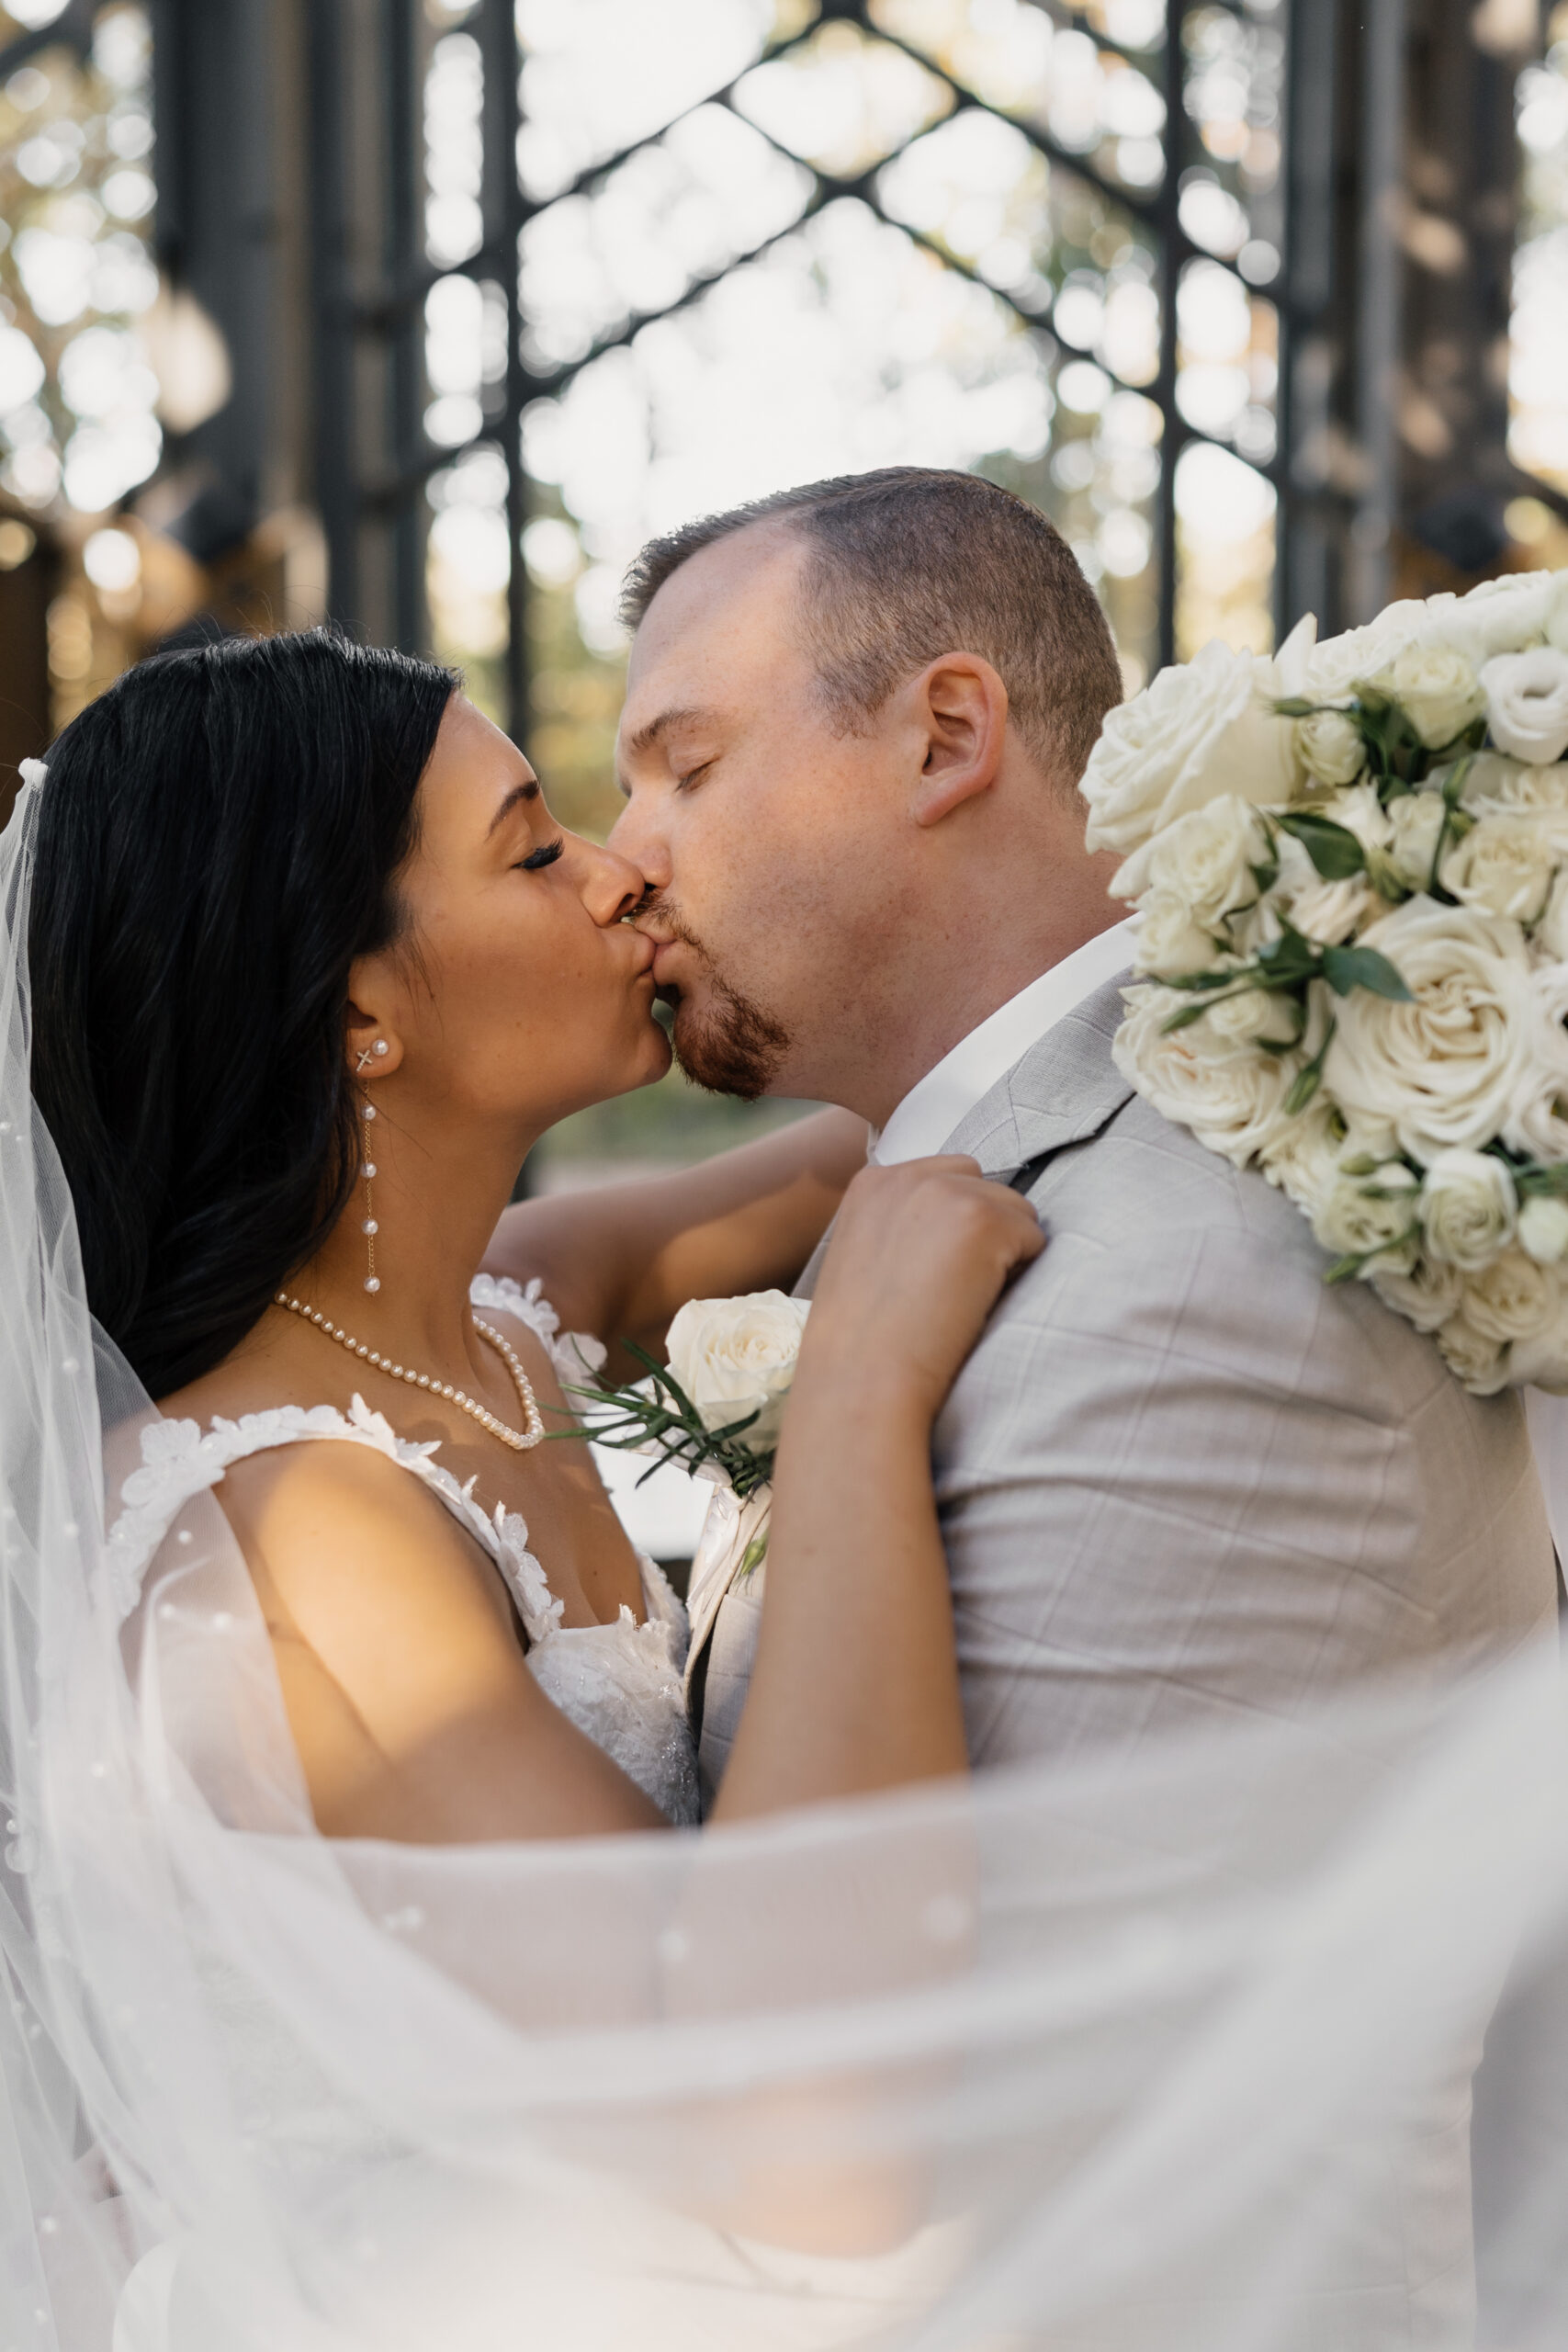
[655, 1415]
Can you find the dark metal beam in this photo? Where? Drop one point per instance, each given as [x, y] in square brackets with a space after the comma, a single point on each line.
[504, 214]
[335, 470]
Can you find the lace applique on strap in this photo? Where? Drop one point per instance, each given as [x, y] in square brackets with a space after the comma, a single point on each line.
[178, 1460]
[576, 1355]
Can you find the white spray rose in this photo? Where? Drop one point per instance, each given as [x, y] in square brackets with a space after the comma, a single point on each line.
[1504, 865]
[1205, 857]
[1329, 746]
[1415, 820]
[1329, 911]
[1234, 1103]
[1168, 942]
[1468, 1206]
[1526, 704]
[1425, 1295]
[735, 1356]
[1376, 1216]
[1543, 1228]
[1450, 1069]
[1542, 1356]
[1478, 1362]
[1362, 813]
[1252, 1017]
[1438, 690]
[1496, 787]
[1192, 735]
[1512, 1298]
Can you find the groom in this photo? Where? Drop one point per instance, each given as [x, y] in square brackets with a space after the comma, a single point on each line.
[1181, 1483]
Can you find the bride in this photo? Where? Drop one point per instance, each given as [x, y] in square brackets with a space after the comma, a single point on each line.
[346, 2004]
[313, 967]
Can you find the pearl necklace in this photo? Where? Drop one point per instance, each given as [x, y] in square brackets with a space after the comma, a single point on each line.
[518, 1440]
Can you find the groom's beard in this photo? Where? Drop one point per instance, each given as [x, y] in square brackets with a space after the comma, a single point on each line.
[727, 1043]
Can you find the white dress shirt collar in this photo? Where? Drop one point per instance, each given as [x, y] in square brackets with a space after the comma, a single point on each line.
[935, 1105]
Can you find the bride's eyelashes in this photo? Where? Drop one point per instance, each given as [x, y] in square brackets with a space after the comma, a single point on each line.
[546, 855]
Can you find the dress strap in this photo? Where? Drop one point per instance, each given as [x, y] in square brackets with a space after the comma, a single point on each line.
[179, 1460]
[575, 1355]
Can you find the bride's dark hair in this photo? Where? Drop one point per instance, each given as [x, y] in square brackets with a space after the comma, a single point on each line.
[218, 838]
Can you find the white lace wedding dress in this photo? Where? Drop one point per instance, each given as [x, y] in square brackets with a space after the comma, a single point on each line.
[620, 1682]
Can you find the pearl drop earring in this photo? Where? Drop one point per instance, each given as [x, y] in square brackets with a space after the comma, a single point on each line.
[369, 1226]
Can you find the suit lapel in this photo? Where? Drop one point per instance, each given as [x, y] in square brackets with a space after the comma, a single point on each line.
[1061, 1091]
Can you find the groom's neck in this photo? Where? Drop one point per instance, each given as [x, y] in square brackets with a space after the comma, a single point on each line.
[931, 999]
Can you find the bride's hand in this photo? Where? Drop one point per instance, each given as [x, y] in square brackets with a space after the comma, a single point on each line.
[918, 1259]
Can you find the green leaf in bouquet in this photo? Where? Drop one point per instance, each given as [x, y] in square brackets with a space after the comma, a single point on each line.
[1333, 849]
[1362, 968]
[1191, 1012]
[1309, 1078]
[1204, 979]
[1289, 960]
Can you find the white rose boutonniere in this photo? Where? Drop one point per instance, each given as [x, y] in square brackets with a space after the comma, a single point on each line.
[735, 1358]
[716, 1408]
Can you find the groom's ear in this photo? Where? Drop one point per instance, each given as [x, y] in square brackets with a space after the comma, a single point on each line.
[961, 709]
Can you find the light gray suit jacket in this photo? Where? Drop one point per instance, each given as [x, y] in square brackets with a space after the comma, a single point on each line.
[1183, 1483]
[1181, 1480]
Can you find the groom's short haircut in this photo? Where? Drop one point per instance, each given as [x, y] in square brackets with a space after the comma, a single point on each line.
[908, 563]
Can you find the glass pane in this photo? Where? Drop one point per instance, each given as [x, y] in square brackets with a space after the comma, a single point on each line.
[1090, 100]
[1538, 368]
[1224, 539]
[79, 317]
[1232, 201]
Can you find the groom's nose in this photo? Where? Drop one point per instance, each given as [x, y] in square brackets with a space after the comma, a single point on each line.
[638, 838]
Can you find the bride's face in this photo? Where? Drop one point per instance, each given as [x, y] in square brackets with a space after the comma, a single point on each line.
[516, 993]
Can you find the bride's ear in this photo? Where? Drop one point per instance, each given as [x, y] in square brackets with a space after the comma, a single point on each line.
[373, 1046]
[962, 709]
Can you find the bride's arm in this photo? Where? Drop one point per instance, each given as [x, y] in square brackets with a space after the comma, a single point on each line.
[619, 1260]
[855, 1686]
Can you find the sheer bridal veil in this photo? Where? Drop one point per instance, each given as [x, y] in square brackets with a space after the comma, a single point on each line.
[1175, 2054]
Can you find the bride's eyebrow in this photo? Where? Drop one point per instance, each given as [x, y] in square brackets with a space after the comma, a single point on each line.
[519, 793]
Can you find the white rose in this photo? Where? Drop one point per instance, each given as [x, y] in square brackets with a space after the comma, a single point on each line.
[1234, 1101]
[1540, 1356]
[1497, 618]
[1526, 704]
[1329, 911]
[1376, 1216]
[1304, 1161]
[1512, 1298]
[1543, 1228]
[1496, 787]
[1468, 1206]
[1449, 1068]
[735, 1356]
[1205, 857]
[1425, 1295]
[1329, 746]
[1438, 690]
[1477, 1363]
[1416, 819]
[1504, 865]
[1538, 1124]
[1168, 942]
[1340, 663]
[1194, 733]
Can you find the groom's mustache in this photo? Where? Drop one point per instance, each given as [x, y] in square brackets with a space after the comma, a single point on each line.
[733, 1046]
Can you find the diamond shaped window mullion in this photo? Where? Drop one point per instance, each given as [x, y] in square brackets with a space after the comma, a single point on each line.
[874, 232]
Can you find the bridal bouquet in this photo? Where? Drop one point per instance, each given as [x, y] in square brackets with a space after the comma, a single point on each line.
[1350, 867]
[716, 1408]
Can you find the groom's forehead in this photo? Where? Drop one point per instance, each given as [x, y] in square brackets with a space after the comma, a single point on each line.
[727, 612]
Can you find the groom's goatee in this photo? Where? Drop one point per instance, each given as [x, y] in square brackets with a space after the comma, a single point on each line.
[730, 1045]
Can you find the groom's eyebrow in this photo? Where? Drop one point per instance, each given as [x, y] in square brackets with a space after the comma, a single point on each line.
[649, 738]
[519, 793]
